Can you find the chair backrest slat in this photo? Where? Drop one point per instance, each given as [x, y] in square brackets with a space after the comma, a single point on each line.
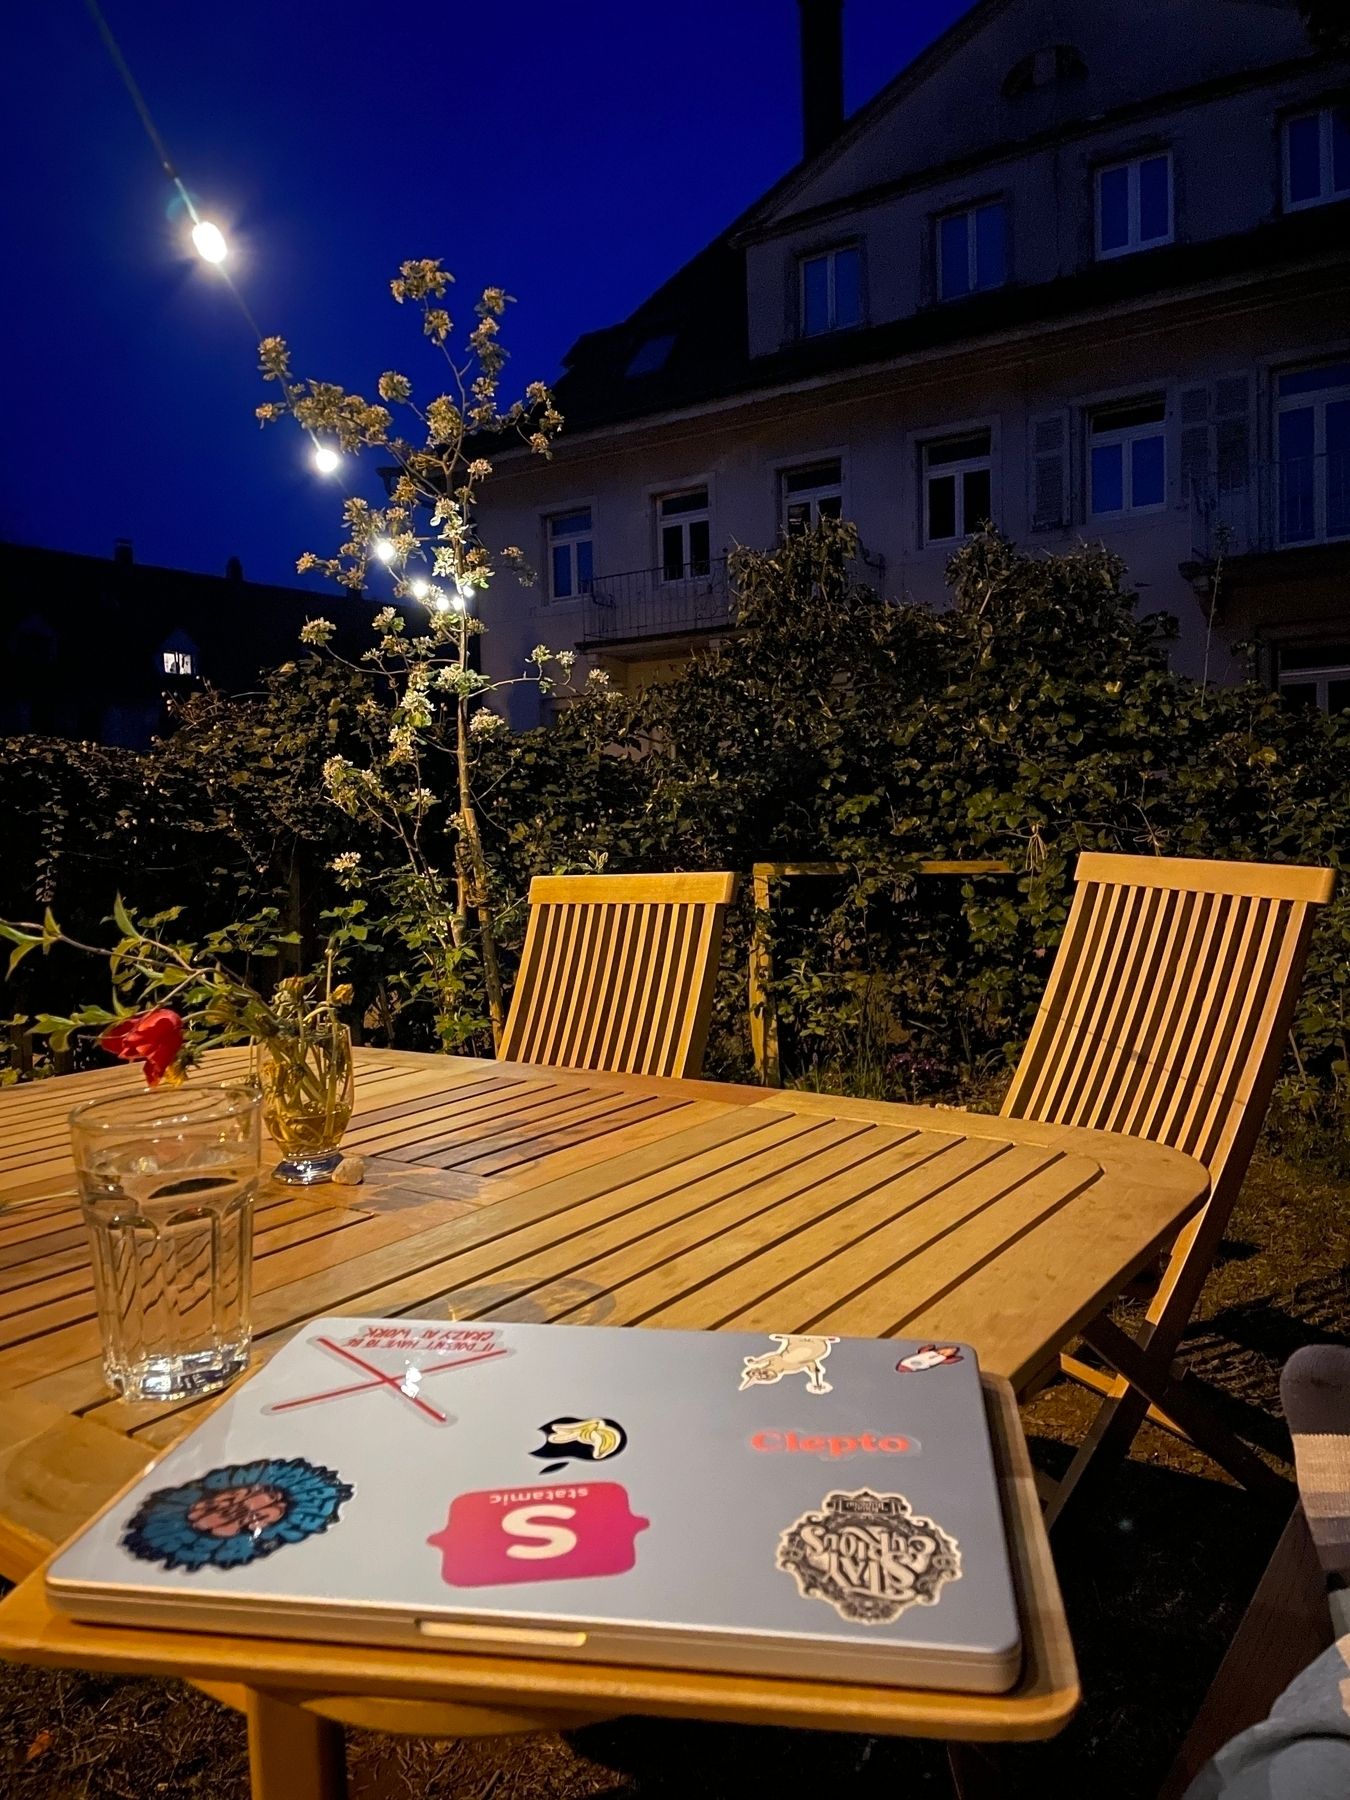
[1167, 1008]
[617, 972]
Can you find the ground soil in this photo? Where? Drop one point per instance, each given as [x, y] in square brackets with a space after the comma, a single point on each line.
[1154, 1588]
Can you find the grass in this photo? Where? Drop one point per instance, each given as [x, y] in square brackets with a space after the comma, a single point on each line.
[1154, 1591]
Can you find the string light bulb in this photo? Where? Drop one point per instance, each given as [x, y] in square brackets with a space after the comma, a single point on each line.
[440, 602]
[419, 589]
[384, 549]
[325, 459]
[209, 241]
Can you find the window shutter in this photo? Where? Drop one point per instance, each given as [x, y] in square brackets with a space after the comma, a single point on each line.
[1050, 471]
[1196, 462]
[1232, 433]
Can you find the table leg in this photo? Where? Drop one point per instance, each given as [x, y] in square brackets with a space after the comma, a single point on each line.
[292, 1754]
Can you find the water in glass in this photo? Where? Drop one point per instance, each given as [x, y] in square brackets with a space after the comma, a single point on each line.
[167, 1182]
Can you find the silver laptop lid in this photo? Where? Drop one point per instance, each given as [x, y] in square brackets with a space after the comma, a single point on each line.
[795, 1502]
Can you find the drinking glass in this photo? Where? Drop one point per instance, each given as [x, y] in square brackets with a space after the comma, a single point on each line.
[166, 1187]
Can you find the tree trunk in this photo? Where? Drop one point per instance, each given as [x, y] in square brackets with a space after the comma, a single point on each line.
[478, 872]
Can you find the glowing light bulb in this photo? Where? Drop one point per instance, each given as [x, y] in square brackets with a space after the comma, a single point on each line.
[420, 589]
[383, 549]
[459, 603]
[465, 591]
[325, 460]
[210, 242]
[440, 602]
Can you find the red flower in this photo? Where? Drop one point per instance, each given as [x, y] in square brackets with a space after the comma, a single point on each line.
[153, 1038]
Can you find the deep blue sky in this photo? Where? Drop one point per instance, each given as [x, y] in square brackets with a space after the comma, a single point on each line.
[575, 155]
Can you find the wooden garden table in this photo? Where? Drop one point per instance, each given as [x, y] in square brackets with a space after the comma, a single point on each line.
[496, 1190]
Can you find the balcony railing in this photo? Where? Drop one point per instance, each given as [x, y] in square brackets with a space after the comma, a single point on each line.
[654, 603]
[1308, 503]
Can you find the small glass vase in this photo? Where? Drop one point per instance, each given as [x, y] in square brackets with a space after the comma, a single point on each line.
[307, 1100]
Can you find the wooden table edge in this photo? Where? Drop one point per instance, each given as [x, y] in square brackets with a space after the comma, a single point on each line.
[334, 1680]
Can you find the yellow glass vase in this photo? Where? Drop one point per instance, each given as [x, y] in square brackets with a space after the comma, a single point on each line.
[307, 1100]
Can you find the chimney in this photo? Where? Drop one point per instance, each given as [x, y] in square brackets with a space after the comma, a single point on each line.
[822, 30]
[122, 551]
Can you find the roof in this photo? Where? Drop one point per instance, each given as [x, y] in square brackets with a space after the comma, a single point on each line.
[704, 308]
[688, 343]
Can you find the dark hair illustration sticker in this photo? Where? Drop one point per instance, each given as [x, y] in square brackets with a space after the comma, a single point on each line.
[795, 1355]
[586, 1440]
[235, 1515]
[928, 1356]
[538, 1534]
[869, 1556]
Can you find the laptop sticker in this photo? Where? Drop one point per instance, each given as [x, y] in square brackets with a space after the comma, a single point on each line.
[869, 1556]
[538, 1534]
[235, 1515]
[864, 1443]
[795, 1355]
[588, 1440]
[928, 1356]
[404, 1372]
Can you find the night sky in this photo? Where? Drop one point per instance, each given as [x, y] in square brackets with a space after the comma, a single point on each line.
[575, 155]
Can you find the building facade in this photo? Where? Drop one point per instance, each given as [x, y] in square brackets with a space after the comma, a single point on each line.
[1082, 270]
[95, 647]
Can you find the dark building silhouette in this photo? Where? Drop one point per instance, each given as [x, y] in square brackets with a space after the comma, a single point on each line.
[93, 647]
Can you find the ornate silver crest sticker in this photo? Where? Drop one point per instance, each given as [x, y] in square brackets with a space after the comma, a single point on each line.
[869, 1556]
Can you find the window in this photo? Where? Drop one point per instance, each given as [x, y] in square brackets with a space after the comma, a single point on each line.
[178, 662]
[1312, 434]
[972, 250]
[812, 494]
[571, 554]
[1128, 462]
[1134, 205]
[957, 486]
[831, 294]
[651, 356]
[685, 534]
[1318, 677]
[1317, 157]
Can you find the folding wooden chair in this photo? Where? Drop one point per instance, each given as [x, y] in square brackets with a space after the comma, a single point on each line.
[618, 972]
[1165, 1018]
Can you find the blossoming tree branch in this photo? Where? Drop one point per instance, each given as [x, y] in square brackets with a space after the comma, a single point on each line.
[425, 537]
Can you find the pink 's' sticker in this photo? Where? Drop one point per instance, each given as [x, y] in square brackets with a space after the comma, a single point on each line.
[538, 1534]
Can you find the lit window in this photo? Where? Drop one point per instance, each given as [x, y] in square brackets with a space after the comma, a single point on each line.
[972, 250]
[178, 662]
[831, 296]
[1128, 462]
[1134, 205]
[1317, 157]
[957, 476]
[811, 494]
[1312, 430]
[685, 534]
[571, 564]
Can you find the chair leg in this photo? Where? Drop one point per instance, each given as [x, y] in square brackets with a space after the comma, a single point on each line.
[1119, 1418]
[975, 1771]
[293, 1754]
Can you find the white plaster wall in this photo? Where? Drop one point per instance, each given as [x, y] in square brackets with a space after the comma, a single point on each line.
[875, 429]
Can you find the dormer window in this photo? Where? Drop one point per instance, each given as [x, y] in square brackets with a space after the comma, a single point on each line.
[1134, 205]
[972, 250]
[1317, 157]
[830, 290]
